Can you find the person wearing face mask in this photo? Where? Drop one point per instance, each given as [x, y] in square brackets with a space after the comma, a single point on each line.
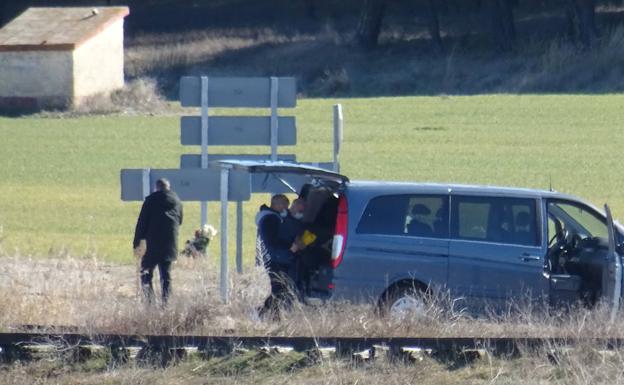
[292, 227]
[273, 253]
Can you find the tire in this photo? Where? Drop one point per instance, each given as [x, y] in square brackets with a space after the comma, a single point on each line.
[405, 301]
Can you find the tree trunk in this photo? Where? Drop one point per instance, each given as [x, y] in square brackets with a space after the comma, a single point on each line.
[583, 22]
[501, 21]
[433, 24]
[369, 26]
[310, 9]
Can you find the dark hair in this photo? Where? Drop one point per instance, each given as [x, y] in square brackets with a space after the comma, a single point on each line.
[163, 184]
[281, 198]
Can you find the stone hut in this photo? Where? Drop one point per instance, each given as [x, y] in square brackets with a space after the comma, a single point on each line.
[55, 57]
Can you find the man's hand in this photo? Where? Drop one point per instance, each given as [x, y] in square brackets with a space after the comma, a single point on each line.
[297, 245]
[139, 251]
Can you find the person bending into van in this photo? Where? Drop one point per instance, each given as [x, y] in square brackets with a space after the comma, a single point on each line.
[273, 252]
[290, 232]
[158, 223]
[292, 227]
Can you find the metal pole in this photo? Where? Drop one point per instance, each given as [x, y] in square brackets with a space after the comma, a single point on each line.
[239, 237]
[146, 182]
[224, 231]
[274, 128]
[338, 135]
[204, 141]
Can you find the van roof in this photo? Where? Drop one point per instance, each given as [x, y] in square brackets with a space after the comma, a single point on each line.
[441, 188]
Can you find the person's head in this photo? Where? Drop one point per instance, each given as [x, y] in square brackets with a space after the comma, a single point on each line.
[297, 208]
[279, 203]
[163, 184]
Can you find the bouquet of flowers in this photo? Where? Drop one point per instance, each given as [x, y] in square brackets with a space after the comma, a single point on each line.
[197, 246]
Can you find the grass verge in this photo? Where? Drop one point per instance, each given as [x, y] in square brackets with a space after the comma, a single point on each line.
[60, 181]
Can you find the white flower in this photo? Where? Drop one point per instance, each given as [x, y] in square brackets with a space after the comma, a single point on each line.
[208, 231]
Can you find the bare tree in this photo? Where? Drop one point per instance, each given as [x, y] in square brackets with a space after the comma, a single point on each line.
[311, 9]
[433, 24]
[581, 16]
[369, 25]
[499, 14]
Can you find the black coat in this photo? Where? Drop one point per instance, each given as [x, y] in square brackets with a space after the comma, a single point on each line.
[159, 223]
[270, 248]
[290, 229]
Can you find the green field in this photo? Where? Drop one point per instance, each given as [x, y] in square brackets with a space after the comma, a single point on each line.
[59, 179]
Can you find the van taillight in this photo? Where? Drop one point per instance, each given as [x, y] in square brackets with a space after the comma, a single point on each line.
[340, 236]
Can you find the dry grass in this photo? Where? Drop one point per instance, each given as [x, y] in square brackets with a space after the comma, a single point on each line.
[102, 297]
[140, 96]
[326, 63]
[163, 52]
[578, 366]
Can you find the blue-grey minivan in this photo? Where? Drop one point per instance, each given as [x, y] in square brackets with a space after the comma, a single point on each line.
[392, 242]
[482, 244]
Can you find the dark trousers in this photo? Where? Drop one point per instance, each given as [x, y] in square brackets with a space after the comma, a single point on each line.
[283, 291]
[147, 273]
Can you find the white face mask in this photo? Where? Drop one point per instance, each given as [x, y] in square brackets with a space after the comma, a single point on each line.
[298, 216]
[284, 213]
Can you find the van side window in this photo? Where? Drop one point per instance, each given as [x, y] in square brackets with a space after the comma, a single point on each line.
[579, 219]
[495, 219]
[408, 215]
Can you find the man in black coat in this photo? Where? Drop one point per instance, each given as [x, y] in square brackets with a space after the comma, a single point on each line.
[273, 252]
[158, 223]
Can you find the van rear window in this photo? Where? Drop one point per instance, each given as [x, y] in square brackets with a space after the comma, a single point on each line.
[406, 215]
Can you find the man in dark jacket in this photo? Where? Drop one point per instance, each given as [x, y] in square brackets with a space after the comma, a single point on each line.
[291, 229]
[158, 223]
[273, 252]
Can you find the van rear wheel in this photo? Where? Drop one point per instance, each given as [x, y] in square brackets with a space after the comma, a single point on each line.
[404, 302]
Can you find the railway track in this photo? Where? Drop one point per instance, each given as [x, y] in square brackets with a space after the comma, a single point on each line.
[27, 346]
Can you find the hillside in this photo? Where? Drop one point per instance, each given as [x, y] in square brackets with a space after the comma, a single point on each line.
[314, 41]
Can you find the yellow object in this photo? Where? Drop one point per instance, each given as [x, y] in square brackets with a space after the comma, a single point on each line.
[308, 237]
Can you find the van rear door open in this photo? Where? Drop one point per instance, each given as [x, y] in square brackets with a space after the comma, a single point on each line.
[286, 173]
[319, 217]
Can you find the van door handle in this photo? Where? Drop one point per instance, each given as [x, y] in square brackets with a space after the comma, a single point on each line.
[526, 257]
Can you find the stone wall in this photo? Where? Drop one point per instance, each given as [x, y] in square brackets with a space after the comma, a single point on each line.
[38, 79]
[98, 63]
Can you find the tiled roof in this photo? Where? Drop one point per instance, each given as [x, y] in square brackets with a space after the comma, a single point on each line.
[57, 28]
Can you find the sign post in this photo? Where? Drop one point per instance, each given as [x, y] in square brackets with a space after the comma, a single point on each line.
[146, 182]
[274, 91]
[208, 177]
[338, 135]
[239, 237]
[224, 231]
[204, 143]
